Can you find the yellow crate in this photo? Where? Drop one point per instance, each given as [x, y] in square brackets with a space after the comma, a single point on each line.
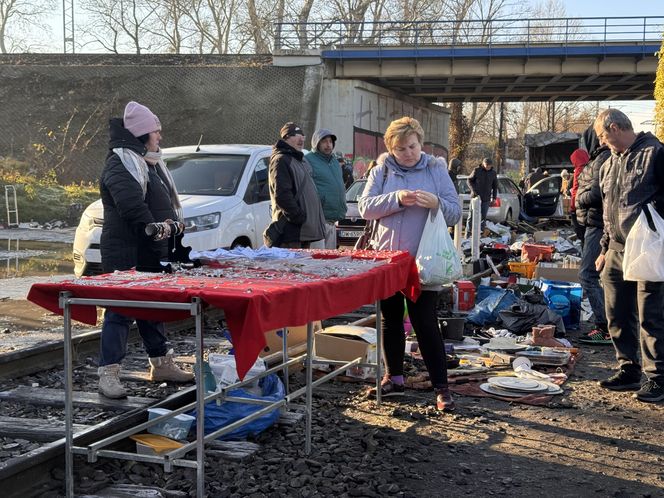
[525, 269]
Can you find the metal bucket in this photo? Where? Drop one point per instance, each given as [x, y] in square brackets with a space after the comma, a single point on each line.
[452, 328]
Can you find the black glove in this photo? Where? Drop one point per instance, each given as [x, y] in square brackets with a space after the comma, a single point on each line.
[164, 229]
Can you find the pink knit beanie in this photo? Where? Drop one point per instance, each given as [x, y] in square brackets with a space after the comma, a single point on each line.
[140, 120]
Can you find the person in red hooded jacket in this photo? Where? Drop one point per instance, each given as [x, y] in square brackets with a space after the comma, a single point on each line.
[579, 159]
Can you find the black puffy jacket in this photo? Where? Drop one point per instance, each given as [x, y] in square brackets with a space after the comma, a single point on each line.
[124, 244]
[588, 200]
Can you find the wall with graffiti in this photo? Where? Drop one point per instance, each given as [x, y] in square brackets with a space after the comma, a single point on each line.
[360, 130]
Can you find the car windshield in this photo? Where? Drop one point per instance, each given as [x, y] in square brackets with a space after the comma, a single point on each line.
[462, 186]
[355, 190]
[214, 174]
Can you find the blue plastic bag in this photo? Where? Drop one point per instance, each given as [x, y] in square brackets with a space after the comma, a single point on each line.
[486, 311]
[218, 416]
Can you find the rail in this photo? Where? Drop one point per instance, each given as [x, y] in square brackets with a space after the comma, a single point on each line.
[469, 32]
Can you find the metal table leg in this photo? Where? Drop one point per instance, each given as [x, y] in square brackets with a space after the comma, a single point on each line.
[69, 435]
[379, 352]
[309, 395]
[200, 401]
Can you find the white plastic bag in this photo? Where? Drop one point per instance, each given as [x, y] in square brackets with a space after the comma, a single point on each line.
[437, 259]
[644, 248]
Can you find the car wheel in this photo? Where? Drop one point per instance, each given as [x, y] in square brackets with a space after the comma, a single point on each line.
[241, 242]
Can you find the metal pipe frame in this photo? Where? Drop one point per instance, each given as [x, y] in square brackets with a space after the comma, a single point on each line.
[173, 458]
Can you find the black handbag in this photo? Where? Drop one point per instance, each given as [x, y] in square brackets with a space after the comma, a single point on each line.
[364, 241]
[273, 232]
[275, 229]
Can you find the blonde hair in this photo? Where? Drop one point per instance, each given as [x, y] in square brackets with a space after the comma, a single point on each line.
[400, 129]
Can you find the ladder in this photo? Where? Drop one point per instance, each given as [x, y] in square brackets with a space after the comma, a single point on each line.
[11, 191]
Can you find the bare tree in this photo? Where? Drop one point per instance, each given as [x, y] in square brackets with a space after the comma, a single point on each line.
[116, 24]
[18, 16]
[173, 26]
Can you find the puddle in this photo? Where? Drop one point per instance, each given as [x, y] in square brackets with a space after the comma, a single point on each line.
[29, 258]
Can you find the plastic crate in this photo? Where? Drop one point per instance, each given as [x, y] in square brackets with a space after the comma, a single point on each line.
[536, 252]
[525, 269]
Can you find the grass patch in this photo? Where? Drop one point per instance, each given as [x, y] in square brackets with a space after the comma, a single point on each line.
[42, 199]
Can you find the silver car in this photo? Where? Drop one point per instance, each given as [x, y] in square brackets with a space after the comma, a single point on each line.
[542, 200]
[507, 205]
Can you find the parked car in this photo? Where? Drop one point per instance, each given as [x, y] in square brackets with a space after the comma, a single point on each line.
[224, 195]
[542, 200]
[351, 227]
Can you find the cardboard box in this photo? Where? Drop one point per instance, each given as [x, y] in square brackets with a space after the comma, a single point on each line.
[345, 343]
[296, 335]
[551, 271]
[544, 234]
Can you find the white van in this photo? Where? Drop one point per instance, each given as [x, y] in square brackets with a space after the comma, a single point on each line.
[224, 194]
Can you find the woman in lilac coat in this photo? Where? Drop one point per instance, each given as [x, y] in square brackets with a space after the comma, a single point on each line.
[399, 194]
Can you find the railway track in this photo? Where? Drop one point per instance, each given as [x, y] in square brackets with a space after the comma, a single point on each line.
[32, 401]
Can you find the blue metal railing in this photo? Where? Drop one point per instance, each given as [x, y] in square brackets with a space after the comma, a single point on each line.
[331, 34]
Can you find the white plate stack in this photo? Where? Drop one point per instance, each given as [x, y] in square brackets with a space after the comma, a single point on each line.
[514, 387]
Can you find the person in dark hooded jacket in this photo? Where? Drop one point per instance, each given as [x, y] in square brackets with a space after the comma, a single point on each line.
[136, 190]
[296, 208]
[588, 205]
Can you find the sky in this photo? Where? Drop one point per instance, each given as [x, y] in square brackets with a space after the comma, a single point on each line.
[639, 112]
[613, 8]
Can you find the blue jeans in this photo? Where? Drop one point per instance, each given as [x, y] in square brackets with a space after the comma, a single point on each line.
[589, 277]
[114, 333]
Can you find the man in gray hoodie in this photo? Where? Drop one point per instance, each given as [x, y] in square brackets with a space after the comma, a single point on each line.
[329, 184]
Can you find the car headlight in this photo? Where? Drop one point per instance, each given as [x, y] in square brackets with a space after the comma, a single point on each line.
[89, 222]
[202, 222]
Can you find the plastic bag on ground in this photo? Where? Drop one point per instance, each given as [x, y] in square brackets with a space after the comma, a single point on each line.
[486, 311]
[218, 416]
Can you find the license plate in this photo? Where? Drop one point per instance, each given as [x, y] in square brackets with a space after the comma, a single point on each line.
[350, 234]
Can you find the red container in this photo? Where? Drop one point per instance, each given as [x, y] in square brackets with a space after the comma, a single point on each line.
[536, 252]
[464, 295]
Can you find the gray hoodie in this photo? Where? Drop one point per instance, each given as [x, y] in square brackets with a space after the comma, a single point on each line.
[320, 135]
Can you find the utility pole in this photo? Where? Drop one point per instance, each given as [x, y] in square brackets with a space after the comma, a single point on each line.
[501, 126]
[68, 26]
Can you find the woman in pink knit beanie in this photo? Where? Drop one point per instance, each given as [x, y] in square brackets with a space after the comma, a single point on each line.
[136, 190]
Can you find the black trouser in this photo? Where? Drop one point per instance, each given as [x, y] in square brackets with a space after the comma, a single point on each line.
[430, 341]
[627, 305]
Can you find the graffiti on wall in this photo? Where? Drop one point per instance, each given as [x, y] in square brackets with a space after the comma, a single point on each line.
[368, 145]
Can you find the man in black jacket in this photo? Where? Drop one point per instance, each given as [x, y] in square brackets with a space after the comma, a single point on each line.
[136, 189]
[588, 204]
[297, 214]
[483, 182]
[630, 178]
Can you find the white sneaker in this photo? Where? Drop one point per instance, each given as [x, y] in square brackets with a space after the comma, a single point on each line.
[164, 368]
[109, 382]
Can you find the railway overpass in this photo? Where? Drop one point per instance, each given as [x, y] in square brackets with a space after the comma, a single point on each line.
[580, 59]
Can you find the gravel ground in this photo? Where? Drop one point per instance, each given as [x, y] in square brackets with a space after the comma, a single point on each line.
[587, 442]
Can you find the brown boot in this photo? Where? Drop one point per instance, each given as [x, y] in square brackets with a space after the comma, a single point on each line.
[444, 399]
[164, 368]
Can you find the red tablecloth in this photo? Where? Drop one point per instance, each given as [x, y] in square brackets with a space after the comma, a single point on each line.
[251, 306]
